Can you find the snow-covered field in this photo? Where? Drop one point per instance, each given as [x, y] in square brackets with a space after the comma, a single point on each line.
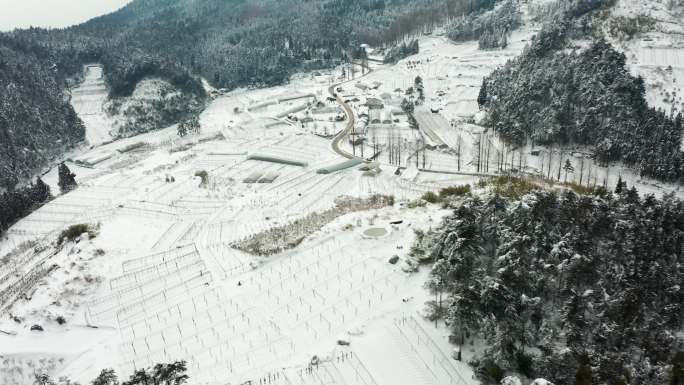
[88, 100]
[160, 281]
[657, 54]
[452, 74]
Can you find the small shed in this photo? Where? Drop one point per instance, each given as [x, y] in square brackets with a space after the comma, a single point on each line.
[374, 104]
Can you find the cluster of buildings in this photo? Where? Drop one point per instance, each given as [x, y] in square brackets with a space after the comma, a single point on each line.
[377, 113]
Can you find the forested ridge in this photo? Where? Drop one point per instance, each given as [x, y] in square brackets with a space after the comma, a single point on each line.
[577, 289]
[556, 96]
[261, 42]
[37, 123]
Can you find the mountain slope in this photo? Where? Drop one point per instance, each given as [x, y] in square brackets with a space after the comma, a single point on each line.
[566, 92]
[37, 123]
[230, 43]
[262, 42]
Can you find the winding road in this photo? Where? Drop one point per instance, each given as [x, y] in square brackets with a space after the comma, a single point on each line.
[350, 115]
[350, 126]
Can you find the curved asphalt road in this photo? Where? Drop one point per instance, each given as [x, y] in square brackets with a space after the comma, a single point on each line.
[350, 115]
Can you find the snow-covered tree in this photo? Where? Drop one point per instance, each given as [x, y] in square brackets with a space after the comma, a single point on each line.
[106, 377]
[578, 289]
[567, 167]
[482, 96]
[66, 179]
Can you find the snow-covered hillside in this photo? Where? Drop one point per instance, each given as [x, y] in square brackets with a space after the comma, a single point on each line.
[163, 243]
[158, 280]
[657, 52]
[88, 100]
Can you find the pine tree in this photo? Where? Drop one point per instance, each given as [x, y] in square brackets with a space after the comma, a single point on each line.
[194, 125]
[568, 169]
[407, 106]
[583, 375]
[67, 179]
[418, 85]
[482, 97]
[437, 283]
[161, 374]
[632, 194]
[140, 377]
[678, 369]
[182, 128]
[40, 192]
[106, 377]
[187, 126]
[621, 186]
[43, 379]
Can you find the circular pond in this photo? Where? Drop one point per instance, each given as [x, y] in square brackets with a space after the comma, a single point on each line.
[375, 232]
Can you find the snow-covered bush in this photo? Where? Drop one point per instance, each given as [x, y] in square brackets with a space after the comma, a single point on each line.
[286, 237]
[541, 381]
[72, 232]
[625, 28]
[511, 380]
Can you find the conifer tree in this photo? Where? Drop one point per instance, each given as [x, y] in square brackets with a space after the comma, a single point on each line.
[67, 179]
[567, 167]
[418, 85]
[482, 96]
[621, 186]
[182, 129]
[106, 377]
[584, 279]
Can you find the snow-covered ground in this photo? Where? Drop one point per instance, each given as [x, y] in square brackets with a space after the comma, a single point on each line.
[452, 75]
[160, 281]
[658, 53]
[88, 100]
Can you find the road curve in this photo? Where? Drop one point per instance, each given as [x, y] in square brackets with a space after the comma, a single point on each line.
[350, 115]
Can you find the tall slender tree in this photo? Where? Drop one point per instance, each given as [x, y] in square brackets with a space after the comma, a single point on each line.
[66, 179]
